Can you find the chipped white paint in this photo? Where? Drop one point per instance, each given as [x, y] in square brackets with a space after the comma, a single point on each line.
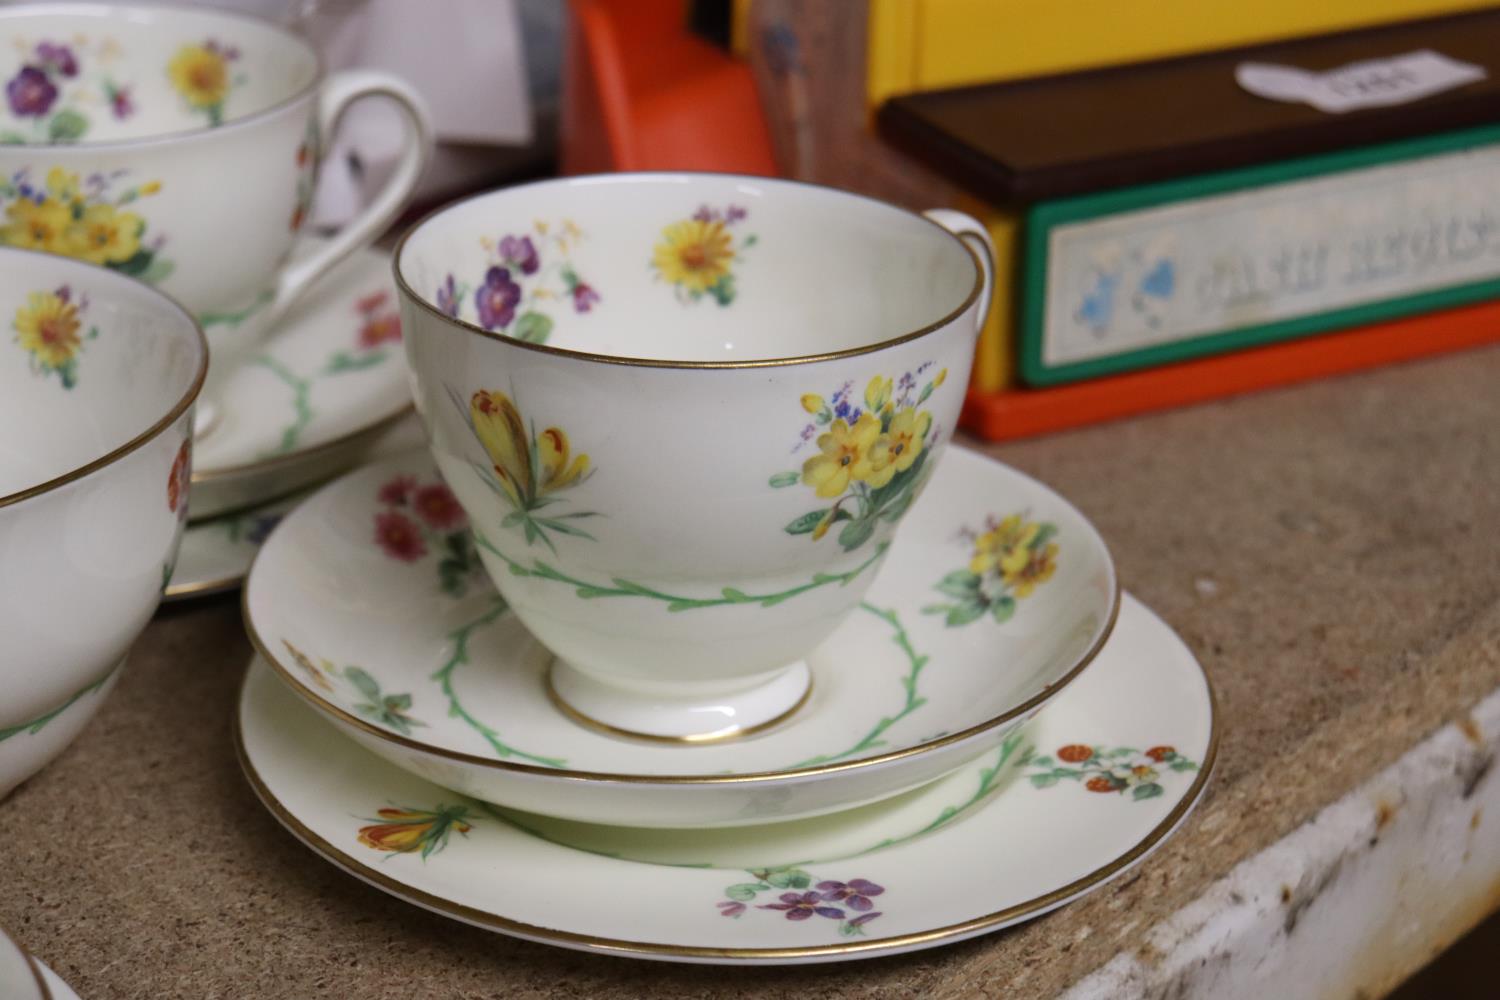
[1349, 903]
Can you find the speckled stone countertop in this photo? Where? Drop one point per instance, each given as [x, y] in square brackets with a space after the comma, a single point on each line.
[1329, 551]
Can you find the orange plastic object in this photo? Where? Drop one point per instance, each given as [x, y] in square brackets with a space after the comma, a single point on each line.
[1020, 413]
[642, 93]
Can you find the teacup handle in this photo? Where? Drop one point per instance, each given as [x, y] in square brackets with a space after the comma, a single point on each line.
[971, 230]
[340, 90]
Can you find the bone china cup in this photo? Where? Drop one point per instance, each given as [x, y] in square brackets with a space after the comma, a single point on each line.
[684, 414]
[98, 374]
[180, 146]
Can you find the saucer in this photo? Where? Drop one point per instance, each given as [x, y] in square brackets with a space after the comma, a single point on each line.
[29, 745]
[1080, 796]
[21, 976]
[216, 552]
[370, 602]
[55, 985]
[334, 375]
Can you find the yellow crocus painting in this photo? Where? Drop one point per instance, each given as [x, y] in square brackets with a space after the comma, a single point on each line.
[528, 468]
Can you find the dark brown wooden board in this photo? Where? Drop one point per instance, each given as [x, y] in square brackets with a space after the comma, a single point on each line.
[1047, 137]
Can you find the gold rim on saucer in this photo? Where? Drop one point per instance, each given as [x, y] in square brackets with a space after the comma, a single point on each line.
[347, 718]
[965, 929]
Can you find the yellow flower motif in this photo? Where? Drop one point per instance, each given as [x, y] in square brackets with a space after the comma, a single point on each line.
[63, 186]
[105, 236]
[502, 432]
[1009, 535]
[151, 187]
[845, 456]
[313, 673]
[906, 435]
[404, 830]
[694, 254]
[200, 74]
[940, 378]
[1023, 567]
[47, 326]
[33, 226]
[552, 451]
[812, 402]
[877, 393]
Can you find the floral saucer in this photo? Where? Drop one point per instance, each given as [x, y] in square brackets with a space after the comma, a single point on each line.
[370, 602]
[216, 552]
[305, 408]
[1081, 795]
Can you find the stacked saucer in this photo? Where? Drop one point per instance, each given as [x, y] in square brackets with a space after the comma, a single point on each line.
[679, 651]
[329, 392]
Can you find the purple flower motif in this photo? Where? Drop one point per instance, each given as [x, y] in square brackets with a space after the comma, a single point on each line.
[863, 918]
[730, 908]
[229, 52]
[735, 214]
[447, 298]
[58, 57]
[705, 214]
[119, 101]
[800, 906]
[854, 894]
[849, 414]
[519, 251]
[497, 298]
[584, 297]
[30, 92]
[64, 294]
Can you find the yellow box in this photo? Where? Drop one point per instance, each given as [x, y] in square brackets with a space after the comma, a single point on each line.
[929, 44]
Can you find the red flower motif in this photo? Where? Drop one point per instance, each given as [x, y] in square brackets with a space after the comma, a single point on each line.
[372, 302]
[1100, 784]
[438, 507]
[299, 216]
[1075, 753]
[302, 154]
[379, 330]
[397, 490]
[177, 479]
[1160, 754]
[399, 536]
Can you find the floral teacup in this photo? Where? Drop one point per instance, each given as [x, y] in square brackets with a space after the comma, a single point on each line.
[711, 396]
[180, 146]
[98, 374]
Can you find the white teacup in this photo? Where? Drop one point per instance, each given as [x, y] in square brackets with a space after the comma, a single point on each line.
[98, 375]
[684, 413]
[180, 146]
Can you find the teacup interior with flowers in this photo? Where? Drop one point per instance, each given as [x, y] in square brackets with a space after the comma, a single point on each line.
[78, 74]
[89, 360]
[686, 267]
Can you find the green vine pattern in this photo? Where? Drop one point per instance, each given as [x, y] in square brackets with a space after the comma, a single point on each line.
[234, 317]
[34, 726]
[916, 662]
[379, 325]
[460, 657]
[618, 587]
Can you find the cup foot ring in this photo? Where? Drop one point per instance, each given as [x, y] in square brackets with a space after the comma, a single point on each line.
[617, 712]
